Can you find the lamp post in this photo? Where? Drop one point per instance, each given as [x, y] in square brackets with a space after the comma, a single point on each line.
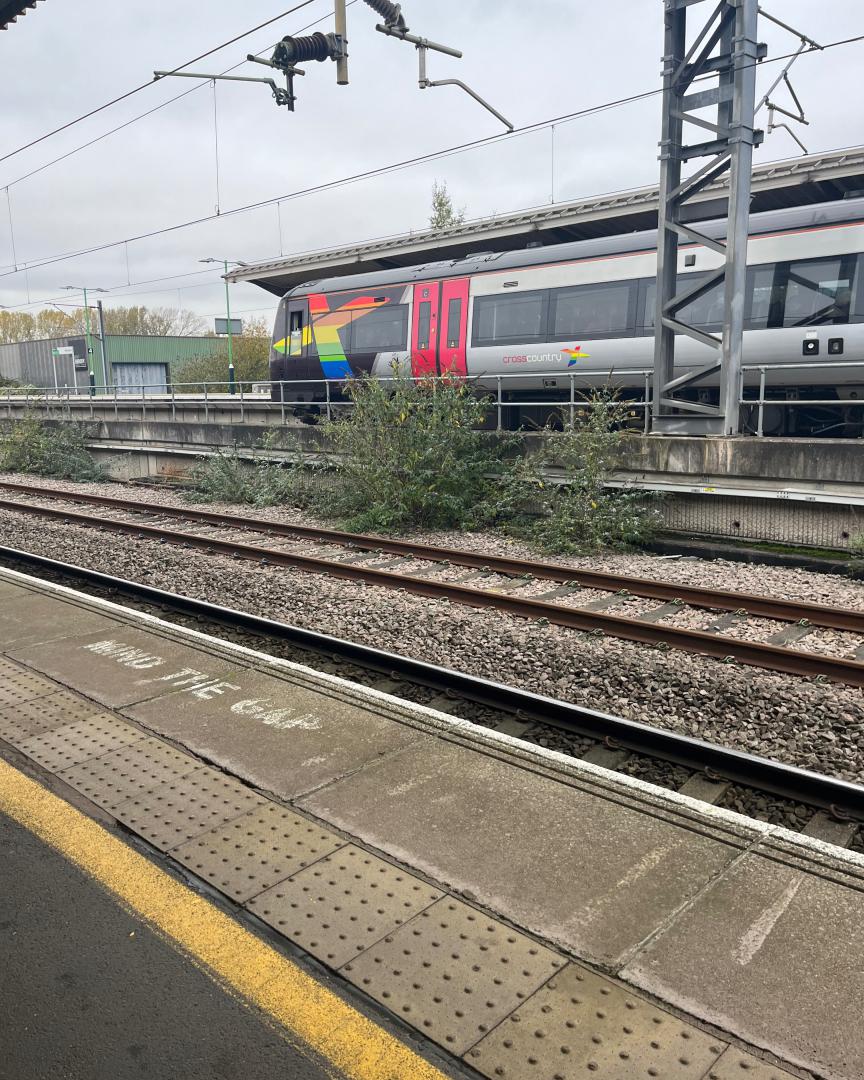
[225, 262]
[87, 334]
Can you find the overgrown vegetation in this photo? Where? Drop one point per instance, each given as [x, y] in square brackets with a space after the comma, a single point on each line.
[558, 498]
[411, 455]
[44, 449]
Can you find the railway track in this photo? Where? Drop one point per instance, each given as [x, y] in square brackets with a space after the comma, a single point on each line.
[700, 769]
[579, 599]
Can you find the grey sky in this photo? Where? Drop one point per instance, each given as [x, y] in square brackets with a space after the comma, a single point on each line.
[532, 60]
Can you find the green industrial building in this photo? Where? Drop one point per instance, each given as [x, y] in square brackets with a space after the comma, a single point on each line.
[130, 362]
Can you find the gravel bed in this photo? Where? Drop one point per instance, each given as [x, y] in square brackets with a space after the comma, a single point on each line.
[767, 808]
[813, 725]
[781, 582]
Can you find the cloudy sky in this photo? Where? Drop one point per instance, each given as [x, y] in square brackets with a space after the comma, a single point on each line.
[534, 61]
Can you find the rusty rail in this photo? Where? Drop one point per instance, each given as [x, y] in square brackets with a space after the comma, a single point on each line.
[757, 654]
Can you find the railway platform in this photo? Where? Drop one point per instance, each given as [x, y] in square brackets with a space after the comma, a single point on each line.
[517, 912]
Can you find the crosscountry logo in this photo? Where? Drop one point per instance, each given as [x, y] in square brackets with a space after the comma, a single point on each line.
[575, 354]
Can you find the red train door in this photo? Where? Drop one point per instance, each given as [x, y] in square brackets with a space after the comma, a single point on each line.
[424, 333]
[454, 317]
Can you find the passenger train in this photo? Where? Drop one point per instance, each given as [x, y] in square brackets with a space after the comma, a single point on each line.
[586, 309]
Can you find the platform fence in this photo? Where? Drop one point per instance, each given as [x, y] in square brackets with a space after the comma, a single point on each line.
[500, 392]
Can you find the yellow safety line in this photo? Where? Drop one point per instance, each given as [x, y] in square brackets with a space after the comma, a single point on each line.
[231, 955]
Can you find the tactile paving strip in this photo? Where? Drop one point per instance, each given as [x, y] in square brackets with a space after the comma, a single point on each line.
[66, 746]
[582, 1025]
[114, 778]
[177, 810]
[453, 972]
[18, 684]
[38, 715]
[343, 904]
[736, 1065]
[257, 850]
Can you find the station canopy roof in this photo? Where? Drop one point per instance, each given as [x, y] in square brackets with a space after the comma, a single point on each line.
[797, 181]
[11, 9]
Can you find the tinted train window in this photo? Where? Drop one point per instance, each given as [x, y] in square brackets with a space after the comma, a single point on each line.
[382, 329]
[424, 325]
[592, 310]
[761, 299]
[705, 311]
[816, 292]
[454, 322]
[510, 319]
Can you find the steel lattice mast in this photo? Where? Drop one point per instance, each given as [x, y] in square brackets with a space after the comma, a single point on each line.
[724, 48]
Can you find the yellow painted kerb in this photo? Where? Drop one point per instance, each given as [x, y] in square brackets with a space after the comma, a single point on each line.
[234, 957]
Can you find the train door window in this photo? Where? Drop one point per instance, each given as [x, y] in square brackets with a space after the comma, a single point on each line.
[593, 311]
[647, 303]
[295, 327]
[817, 292]
[511, 319]
[424, 325]
[454, 323]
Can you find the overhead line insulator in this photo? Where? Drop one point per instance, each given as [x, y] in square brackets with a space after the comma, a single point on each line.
[298, 50]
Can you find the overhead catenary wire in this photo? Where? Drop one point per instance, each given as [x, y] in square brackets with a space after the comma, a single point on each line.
[143, 86]
[383, 170]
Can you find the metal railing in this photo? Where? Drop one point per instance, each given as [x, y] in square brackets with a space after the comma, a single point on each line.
[499, 393]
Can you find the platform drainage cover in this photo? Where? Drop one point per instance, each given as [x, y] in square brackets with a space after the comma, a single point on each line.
[343, 904]
[176, 810]
[453, 972]
[114, 778]
[257, 850]
[582, 1025]
[38, 715]
[67, 746]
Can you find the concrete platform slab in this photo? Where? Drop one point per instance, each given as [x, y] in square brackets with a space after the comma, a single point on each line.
[278, 734]
[28, 618]
[343, 904]
[117, 665]
[583, 1025]
[19, 684]
[584, 871]
[256, 851]
[774, 954]
[113, 778]
[176, 810]
[39, 715]
[453, 973]
[71, 744]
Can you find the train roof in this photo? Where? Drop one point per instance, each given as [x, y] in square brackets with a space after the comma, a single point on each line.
[827, 176]
[797, 217]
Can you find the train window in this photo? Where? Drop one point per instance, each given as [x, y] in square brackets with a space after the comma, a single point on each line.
[592, 310]
[760, 297]
[381, 329]
[424, 325]
[816, 292]
[296, 321]
[514, 319]
[454, 322]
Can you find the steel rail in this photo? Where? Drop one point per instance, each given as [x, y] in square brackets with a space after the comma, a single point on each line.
[756, 654]
[841, 797]
[713, 599]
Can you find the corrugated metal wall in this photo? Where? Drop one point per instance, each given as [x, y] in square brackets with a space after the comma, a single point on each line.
[31, 362]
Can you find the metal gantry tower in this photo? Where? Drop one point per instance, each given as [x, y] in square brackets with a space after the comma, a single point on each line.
[724, 52]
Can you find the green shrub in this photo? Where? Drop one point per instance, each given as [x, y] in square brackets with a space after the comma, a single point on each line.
[409, 455]
[558, 498]
[46, 449]
[226, 477]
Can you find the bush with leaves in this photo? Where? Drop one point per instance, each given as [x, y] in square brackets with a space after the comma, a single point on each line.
[228, 477]
[409, 454]
[49, 449]
[557, 497]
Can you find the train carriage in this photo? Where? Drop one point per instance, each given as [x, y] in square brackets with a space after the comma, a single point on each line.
[583, 313]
